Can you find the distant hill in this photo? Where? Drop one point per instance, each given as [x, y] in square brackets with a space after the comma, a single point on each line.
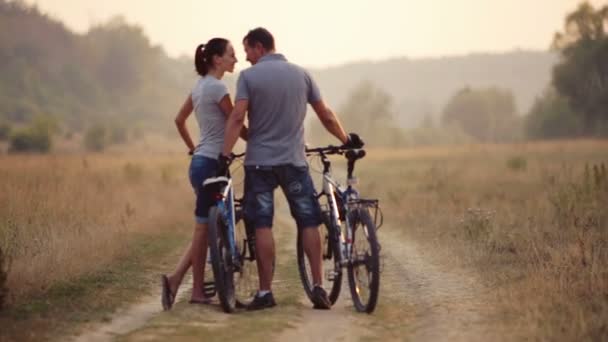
[423, 86]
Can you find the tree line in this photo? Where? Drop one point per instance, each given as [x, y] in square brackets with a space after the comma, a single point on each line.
[574, 104]
[109, 79]
[111, 84]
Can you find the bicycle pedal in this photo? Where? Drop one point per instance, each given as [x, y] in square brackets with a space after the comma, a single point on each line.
[330, 275]
[209, 289]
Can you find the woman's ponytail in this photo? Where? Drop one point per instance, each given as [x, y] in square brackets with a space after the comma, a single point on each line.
[199, 61]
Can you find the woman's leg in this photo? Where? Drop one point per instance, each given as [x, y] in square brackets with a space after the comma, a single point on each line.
[175, 278]
[198, 260]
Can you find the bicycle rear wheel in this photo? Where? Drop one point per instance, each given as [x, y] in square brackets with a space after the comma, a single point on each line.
[246, 277]
[364, 266]
[330, 260]
[221, 260]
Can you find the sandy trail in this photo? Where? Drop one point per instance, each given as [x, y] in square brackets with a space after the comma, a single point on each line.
[433, 302]
[450, 303]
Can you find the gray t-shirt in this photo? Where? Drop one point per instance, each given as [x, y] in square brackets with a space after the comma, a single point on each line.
[206, 95]
[278, 92]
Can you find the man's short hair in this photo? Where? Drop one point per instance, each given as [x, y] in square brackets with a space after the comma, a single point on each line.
[262, 36]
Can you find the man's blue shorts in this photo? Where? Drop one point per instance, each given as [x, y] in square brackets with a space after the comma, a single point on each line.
[296, 183]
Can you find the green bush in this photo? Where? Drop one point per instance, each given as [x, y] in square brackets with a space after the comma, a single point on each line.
[30, 140]
[96, 138]
[5, 131]
[517, 163]
[133, 172]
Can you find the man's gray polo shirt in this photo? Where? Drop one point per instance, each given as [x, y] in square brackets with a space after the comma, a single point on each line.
[278, 93]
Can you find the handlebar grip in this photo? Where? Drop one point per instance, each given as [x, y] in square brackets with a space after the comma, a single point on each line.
[354, 154]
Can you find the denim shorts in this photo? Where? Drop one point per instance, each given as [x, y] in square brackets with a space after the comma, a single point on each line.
[202, 168]
[296, 183]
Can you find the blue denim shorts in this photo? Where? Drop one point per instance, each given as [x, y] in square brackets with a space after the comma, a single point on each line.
[296, 183]
[202, 168]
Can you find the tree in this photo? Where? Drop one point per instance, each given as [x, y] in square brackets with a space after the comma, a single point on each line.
[489, 114]
[552, 117]
[5, 130]
[96, 138]
[582, 75]
[368, 112]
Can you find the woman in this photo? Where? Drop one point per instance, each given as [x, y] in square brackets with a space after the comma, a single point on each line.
[211, 103]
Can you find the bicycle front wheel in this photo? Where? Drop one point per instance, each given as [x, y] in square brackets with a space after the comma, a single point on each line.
[364, 264]
[221, 259]
[330, 261]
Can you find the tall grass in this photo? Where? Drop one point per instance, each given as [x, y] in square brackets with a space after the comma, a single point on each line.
[64, 216]
[531, 218]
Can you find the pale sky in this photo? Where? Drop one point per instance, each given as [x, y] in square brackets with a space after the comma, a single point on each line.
[329, 32]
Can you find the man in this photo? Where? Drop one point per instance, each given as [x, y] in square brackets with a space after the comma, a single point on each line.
[275, 93]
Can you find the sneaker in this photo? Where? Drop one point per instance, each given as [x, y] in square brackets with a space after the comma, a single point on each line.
[319, 299]
[264, 302]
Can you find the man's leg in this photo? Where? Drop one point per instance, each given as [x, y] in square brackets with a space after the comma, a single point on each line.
[311, 241]
[304, 206]
[259, 211]
[264, 244]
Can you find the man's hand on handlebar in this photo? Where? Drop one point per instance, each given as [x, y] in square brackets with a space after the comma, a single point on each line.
[354, 141]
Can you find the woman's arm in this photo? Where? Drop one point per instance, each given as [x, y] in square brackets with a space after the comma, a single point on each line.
[180, 122]
[226, 107]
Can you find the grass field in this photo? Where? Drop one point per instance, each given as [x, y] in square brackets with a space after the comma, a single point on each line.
[530, 219]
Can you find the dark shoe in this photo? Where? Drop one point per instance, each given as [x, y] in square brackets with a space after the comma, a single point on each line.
[319, 299]
[264, 302]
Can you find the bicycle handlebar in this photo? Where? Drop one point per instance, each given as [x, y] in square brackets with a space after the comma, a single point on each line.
[331, 149]
[351, 154]
[236, 156]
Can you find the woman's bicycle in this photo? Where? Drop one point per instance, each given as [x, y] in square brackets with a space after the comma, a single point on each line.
[348, 235]
[231, 246]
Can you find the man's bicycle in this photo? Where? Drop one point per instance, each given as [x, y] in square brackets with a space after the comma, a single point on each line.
[231, 246]
[348, 235]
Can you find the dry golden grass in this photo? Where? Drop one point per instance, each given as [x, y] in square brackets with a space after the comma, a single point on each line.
[62, 216]
[531, 218]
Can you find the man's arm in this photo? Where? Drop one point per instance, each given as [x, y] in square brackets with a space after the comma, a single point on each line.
[330, 120]
[227, 108]
[234, 125]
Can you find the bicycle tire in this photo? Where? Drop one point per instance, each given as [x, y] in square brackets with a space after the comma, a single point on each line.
[220, 260]
[331, 253]
[246, 277]
[364, 233]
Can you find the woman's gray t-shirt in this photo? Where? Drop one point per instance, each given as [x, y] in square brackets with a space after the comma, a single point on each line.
[206, 96]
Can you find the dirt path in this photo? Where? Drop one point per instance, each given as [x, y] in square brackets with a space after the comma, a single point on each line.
[338, 324]
[420, 299]
[129, 319]
[448, 302]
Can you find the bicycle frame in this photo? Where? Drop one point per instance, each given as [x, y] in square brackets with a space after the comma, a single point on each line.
[348, 195]
[224, 200]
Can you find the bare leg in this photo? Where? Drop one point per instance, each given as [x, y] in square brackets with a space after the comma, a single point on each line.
[264, 244]
[175, 279]
[311, 241]
[199, 256]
